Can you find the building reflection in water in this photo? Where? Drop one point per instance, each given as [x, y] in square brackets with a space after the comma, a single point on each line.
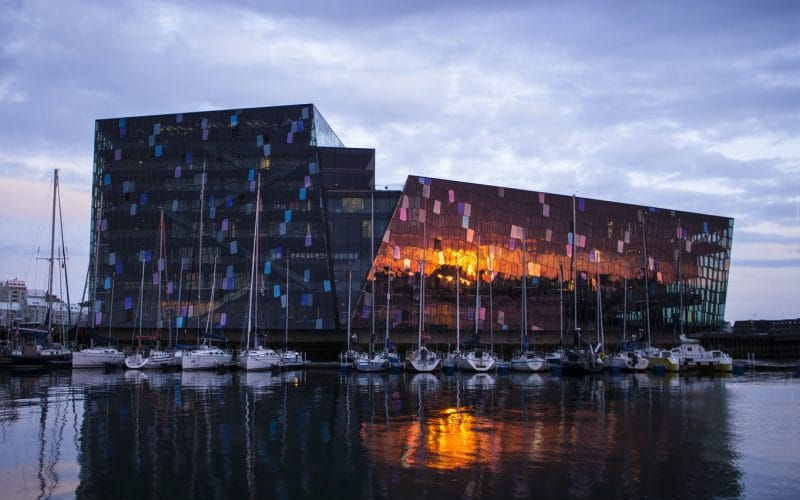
[322, 434]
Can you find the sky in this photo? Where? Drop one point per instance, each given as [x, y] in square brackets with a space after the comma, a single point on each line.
[686, 105]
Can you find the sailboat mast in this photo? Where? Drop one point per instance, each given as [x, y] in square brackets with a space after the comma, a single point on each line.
[49, 297]
[98, 213]
[141, 300]
[524, 309]
[286, 326]
[64, 265]
[253, 261]
[161, 266]
[574, 268]
[680, 283]
[458, 307]
[646, 282]
[597, 289]
[422, 271]
[371, 273]
[349, 297]
[211, 300]
[111, 304]
[200, 249]
[477, 287]
[561, 301]
[388, 301]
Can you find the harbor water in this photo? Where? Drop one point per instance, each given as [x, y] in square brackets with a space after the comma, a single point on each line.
[323, 434]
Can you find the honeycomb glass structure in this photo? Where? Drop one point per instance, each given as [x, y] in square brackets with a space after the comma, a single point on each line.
[497, 259]
[197, 176]
[173, 249]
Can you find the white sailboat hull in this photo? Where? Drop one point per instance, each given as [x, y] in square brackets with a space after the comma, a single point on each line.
[370, 364]
[477, 361]
[205, 359]
[527, 362]
[259, 359]
[424, 361]
[97, 357]
[155, 360]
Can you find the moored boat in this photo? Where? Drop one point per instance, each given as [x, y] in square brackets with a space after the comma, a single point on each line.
[662, 357]
[529, 361]
[97, 357]
[692, 355]
[477, 360]
[205, 358]
[627, 361]
[258, 358]
[423, 360]
[371, 362]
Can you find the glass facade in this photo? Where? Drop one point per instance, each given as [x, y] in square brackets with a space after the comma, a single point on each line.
[202, 171]
[531, 261]
[323, 227]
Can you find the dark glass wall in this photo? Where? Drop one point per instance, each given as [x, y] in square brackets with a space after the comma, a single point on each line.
[585, 263]
[203, 171]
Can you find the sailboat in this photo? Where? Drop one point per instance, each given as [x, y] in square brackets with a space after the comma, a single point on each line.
[256, 357]
[389, 350]
[668, 360]
[422, 359]
[625, 358]
[347, 357]
[527, 360]
[554, 358]
[40, 350]
[289, 358]
[153, 358]
[582, 357]
[205, 356]
[477, 358]
[98, 356]
[453, 359]
[373, 361]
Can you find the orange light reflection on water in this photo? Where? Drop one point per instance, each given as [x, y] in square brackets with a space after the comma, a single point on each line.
[452, 438]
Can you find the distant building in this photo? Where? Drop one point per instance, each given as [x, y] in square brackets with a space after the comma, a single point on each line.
[322, 216]
[19, 304]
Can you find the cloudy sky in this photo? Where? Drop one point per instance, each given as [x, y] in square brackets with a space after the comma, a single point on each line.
[682, 104]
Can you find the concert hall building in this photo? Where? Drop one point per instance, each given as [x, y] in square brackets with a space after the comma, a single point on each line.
[174, 203]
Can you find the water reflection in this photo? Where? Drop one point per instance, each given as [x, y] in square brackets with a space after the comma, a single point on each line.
[301, 434]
